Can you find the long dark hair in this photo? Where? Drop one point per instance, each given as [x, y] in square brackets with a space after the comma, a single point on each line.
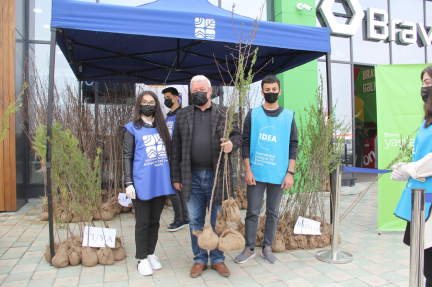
[428, 105]
[159, 120]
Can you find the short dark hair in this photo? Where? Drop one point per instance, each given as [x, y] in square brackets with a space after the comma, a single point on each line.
[171, 90]
[358, 124]
[269, 80]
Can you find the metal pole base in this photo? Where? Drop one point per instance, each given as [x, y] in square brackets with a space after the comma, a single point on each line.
[340, 257]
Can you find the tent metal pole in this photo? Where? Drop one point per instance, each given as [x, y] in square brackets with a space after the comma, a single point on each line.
[49, 136]
[96, 93]
[330, 112]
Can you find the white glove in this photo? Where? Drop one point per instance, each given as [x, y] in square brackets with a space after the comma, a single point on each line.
[421, 169]
[130, 192]
[399, 172]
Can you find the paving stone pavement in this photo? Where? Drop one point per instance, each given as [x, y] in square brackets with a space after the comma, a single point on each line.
[379, 260]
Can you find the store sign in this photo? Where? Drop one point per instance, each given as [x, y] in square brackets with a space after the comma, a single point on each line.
[376, 18]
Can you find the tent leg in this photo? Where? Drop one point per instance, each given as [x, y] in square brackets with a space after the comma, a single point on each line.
[330, 112]
[49, 136]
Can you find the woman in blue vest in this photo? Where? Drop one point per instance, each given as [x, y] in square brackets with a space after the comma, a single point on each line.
[147, 147]
[419, 172]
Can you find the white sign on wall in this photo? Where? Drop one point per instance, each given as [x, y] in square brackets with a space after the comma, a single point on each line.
[376, 18]
[97, 237]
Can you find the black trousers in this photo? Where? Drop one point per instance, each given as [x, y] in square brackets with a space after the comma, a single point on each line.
[179, 207]
[359, 156]
[147, 216]
[427, 268]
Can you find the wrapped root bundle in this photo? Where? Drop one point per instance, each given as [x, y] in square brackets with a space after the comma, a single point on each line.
[221, 224]
[125, 209]
[278, 243]
[89, 256]
[241, 227]
[207, 239]
[66, 217]
[105, 256]
[61, 259]
[104, 195]
[301, 241]
[47, 252]
[119, 251]
[230, 210]
[312, 242]
[74, 255]
[231, 240]
[291, 243]
[168, 201]
[106, 213]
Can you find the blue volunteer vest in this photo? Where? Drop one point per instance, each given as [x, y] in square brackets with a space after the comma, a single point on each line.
[170, 121]
[269, 146]
[151, 172]
[422, 146]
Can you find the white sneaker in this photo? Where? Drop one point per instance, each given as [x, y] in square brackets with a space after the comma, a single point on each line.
[145, 268]
[154, 262]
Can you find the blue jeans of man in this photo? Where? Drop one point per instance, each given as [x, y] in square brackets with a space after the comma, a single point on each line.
[202, 185]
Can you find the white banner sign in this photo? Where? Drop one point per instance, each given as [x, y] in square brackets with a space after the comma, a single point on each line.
[97, 235]
[307, 226]
[124, 200]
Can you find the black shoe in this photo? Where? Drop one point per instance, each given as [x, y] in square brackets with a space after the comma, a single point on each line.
[186, 223]
[175, 226]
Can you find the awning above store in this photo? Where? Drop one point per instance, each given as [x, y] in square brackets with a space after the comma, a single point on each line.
[169, 41]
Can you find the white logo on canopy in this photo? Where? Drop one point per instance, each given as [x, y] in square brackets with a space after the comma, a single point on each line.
[154, 146]
[205, 28]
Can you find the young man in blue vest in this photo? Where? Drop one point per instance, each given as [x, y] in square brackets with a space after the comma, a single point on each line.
[269, 155]
[181, 219]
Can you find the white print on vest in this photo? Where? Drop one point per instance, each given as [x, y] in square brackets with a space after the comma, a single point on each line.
[170, 125]
[269, 138]
[266, 137]
[154, 146]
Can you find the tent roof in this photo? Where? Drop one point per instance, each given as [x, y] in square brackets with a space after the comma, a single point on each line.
[168, 41]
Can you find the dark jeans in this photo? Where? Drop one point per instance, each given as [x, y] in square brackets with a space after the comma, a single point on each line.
[427, 268]
[147, 216]
[202, 185]
[359, 156]
[255, 196]
[179, 207]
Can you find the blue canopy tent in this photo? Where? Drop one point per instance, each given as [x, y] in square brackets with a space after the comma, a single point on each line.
[168, 42]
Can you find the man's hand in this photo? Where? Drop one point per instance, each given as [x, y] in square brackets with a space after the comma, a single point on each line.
[287, 183]
[228, 146]
[178, 186]
[250, 178]
[130, 192]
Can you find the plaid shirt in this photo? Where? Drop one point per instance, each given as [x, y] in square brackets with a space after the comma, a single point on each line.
[180, 163]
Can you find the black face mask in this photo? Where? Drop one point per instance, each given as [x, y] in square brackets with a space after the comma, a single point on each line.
[425, 92]
[147, 110]
[200, 98]
[271, 97]
[169, 103]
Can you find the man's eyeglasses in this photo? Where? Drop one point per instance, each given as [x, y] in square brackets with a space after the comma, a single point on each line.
[151, 103]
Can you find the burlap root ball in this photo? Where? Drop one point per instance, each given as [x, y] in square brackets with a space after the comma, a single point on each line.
[231, 240]
[61, 259]
[105, 256]
[89, 256]
[207, 239]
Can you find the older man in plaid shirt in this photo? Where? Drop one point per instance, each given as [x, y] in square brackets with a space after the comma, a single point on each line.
[196, 145]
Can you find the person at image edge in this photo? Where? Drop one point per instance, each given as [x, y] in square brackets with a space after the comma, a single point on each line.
[181, 218]
[196, 145]
[419, 171]
[269, 154]
[147, 147]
